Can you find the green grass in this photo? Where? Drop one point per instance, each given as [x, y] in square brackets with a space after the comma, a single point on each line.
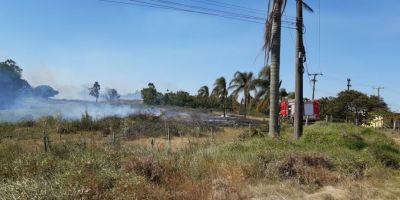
[327, 154]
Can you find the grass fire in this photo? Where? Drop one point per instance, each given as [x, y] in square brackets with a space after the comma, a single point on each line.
[199, 100]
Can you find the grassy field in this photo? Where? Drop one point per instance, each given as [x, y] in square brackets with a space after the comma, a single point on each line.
[331, 161]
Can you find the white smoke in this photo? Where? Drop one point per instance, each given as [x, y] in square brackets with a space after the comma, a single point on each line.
[33, 109]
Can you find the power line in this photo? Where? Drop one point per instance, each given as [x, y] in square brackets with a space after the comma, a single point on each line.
[172, 5]
[159, 6]
[169, 3]
[229, 5]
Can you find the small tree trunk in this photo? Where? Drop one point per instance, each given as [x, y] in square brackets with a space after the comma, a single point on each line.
[224, 106]
[245, 106]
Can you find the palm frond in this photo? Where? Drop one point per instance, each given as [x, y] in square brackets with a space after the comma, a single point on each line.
[307, 8]
[284, 6]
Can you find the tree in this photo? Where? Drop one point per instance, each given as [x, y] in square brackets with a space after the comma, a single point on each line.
[203, 95]
[221, 92]
[112, 95]
[272, 44]
[203, 92]
[327, 106]
[150, 95]
[262, 84]
[291, 95]
[12, 67]
[242, 82]
[182, 98]
[44, 91]
[353, 106]
[12, 86]
[95, 90]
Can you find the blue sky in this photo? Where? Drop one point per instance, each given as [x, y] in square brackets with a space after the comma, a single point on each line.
[69, 44]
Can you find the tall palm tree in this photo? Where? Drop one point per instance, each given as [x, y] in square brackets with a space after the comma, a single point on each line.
[221, 91]
[242, 82]
[272, 45]
[203, 92]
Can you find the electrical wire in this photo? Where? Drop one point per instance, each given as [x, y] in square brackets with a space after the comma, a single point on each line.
[151, 5]
[230, 6]
[172, 5]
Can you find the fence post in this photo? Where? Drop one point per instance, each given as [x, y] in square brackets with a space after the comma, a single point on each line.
[45, 138]
[113, 137]
[45, 142]
[307, 120]
[168, 137]
[327, 118]
[249, 128]
[212, 134]
[394, 125]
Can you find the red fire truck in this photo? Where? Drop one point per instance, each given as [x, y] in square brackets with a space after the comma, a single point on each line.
[311, 110]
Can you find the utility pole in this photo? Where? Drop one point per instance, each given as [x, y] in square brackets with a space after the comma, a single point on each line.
[379, 91]
[300, 59]
[314, 80]
[348, 84]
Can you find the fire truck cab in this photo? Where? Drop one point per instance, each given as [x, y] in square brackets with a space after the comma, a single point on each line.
[311, 109]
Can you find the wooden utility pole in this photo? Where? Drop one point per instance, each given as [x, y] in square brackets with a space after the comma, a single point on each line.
[300, 59]
[348, 84]
[379, 91]
[314, 80]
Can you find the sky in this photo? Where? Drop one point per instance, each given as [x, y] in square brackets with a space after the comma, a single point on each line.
[69, 44]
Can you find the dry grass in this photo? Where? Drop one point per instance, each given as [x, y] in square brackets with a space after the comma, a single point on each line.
[329, 162]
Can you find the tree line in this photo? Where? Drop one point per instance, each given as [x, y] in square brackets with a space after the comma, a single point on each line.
[253, 92]
[247, 93]
[356, 107]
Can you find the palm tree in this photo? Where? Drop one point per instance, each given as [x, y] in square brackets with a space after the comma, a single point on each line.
[221, 92]
[203, 96]
[242, 82]
[272, 45]
[203, 92]
[262, 84]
